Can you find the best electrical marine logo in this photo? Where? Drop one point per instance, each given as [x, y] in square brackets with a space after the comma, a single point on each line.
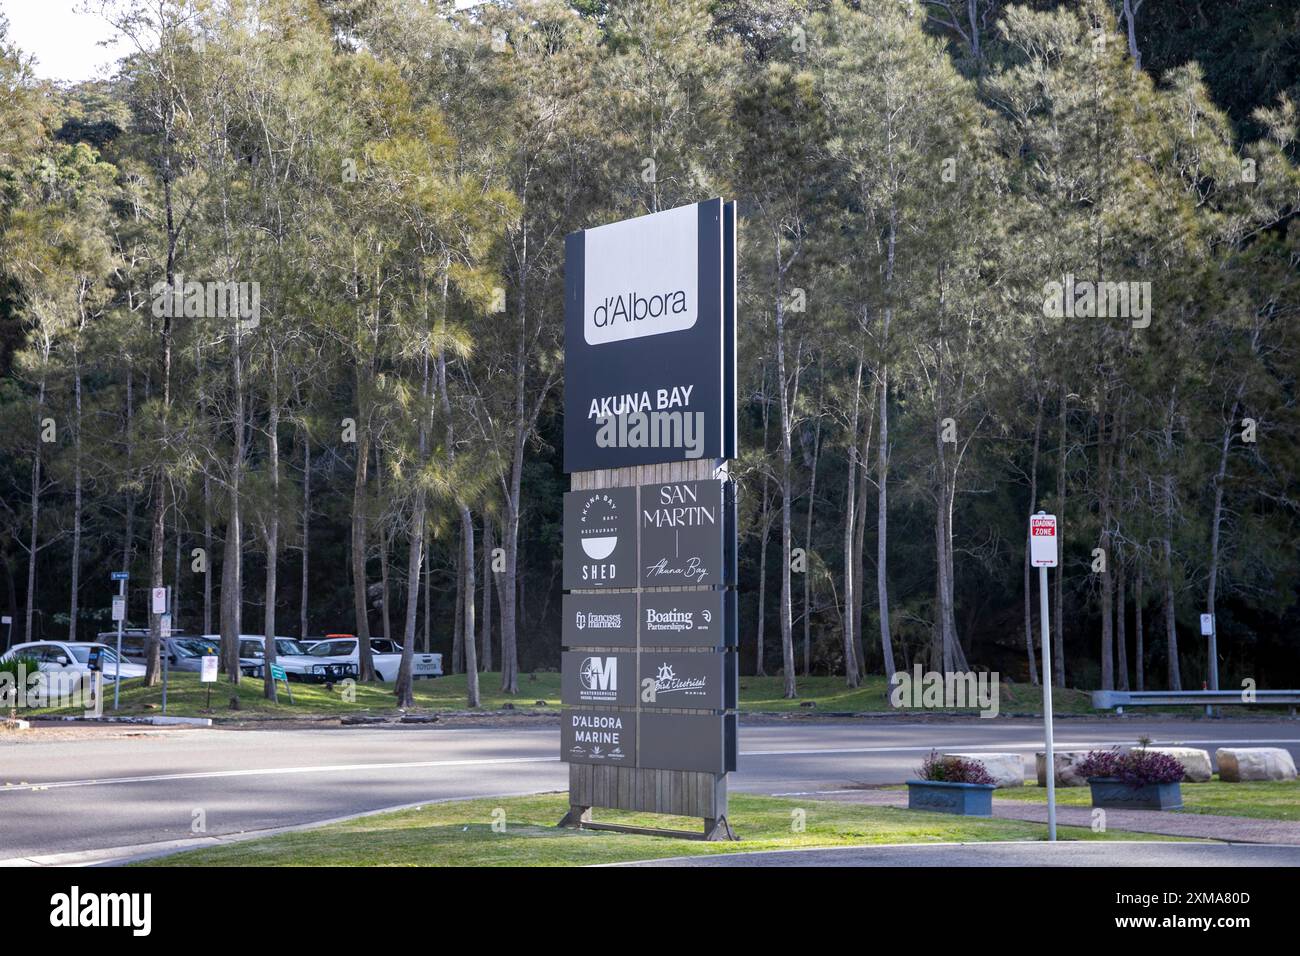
[667, 682]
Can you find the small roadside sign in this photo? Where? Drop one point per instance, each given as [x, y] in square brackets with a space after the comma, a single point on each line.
[1207, 625]
[6, 619]
[158, 600]
[1042, 540]
[277, 673]
[165, 626]
[208, 669]
[119, 608]
[119, 575]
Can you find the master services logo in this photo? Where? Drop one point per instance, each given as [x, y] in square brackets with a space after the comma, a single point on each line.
[599, 678]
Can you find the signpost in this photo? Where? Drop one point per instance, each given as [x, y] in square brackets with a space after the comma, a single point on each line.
[1044, 552]
[648, 674]
[8, 622]
[208, 674]
[278, 673]
[119, 615]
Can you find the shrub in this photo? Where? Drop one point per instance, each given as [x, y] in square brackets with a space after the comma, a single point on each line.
[953, 770]
[17, 667]
[1136, 768]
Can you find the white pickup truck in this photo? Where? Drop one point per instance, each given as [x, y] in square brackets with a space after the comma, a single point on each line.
[341, 648]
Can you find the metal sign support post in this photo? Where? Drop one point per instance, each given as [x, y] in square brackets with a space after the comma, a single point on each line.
[117, 666]
[1047, 705]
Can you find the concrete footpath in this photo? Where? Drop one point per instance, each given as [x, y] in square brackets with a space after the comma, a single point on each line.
[1200, 826]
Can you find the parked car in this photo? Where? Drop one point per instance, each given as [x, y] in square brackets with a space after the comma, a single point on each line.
[184, 653]
[387, 656]
[293, 657]
[73, 658]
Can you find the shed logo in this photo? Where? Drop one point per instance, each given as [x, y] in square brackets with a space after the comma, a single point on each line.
[598, 527]
[599, 678]
[667, 682]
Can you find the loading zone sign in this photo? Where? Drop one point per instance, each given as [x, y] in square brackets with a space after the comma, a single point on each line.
[1043, 543]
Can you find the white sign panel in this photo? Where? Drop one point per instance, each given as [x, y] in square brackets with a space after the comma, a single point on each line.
[158, 600]
[208, 669]
[642, 277]
[1042, 541]
[1207, 625]
[119, 609]
[6, 619]
[165, 626]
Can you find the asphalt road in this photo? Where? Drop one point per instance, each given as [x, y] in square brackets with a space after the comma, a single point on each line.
[62, 796]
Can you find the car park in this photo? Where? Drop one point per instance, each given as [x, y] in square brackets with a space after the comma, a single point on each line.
[386, 654]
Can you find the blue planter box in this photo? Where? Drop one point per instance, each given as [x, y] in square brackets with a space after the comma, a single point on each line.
[966, 799]
[1112, 794]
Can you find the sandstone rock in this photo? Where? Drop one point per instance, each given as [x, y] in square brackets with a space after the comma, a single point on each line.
[1066, 762]
[1238, 764]
[1196, 762]
[1007, 770]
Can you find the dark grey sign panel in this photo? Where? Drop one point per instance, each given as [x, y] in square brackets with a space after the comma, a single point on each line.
[598, 736]
[732, 740]
[599, 620]
[600, 538]
[683, 742]
[683, 619]
[592, 677]
[681, 525]
[684, 680]
[644, 355]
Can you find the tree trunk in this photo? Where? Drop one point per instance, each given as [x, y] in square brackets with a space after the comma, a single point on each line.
[807, 553]
[1105, 461]
[467, 638]
[272, 538]
[232, 582]
[208, 557]
[1058, 635]
[306, 533]
[1139, 651]
[405, 688]
[74, 611]
[851, 672]
[486, 624]
[1121, 624]
[384, 543]
[787, 424]
[1171, 624]
[1033, 506]
[1216, 524]
[360, 603]
[36, 511]
[882, 525]
[457, 617]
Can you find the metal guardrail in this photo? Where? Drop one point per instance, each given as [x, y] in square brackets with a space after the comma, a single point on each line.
[1119, 699]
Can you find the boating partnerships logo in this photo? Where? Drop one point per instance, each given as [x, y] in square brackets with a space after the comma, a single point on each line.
[675, 620]
[76, 909]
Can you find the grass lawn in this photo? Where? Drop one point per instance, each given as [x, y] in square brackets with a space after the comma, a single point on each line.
[461, 834]
[1262, 800]
[186, 697]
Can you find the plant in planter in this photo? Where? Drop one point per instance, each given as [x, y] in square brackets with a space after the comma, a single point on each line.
[952, 785]
[1136, 780]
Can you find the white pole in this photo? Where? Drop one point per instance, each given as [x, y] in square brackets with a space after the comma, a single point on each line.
[1047, 705]
[117, 667]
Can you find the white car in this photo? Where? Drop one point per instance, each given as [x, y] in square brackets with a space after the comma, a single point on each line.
[387, 656]
[289, 654]
[73, 658]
